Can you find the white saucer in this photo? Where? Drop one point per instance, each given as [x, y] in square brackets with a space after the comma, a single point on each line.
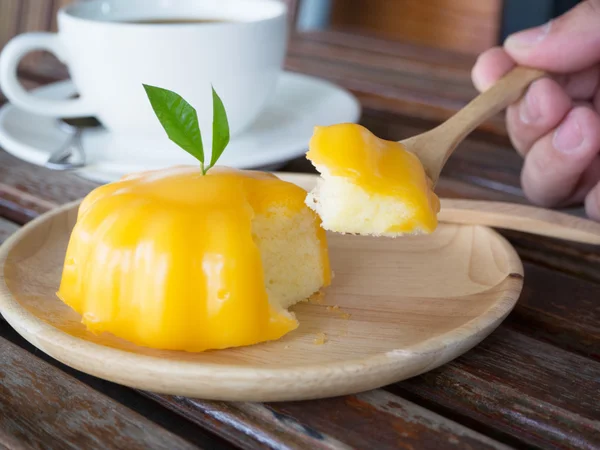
[281, 132]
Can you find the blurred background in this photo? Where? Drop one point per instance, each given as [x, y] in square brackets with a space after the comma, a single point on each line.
[407, 61]
[460, 25]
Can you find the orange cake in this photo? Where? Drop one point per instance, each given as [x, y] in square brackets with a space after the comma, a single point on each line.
[182, 260]
[369, 185]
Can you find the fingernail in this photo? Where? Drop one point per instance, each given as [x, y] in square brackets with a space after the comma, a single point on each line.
[528, 38]
[529, 111]
[568, 137]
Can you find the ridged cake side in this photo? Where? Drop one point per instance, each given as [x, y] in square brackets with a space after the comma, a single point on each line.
[178, 260]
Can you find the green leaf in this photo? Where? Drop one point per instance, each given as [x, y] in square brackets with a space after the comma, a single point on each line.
[179, 119]
[220, 137]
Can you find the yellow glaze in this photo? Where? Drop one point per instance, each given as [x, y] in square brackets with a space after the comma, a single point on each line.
[378, 167]
[166, 259]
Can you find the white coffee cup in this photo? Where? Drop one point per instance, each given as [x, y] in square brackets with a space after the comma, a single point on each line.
[110, 56]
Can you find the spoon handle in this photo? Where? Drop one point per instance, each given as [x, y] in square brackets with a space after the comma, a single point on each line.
[528, 219]
[435, 147]
[489, 103]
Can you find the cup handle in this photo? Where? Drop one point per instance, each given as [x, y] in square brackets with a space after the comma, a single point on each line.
[10, 57]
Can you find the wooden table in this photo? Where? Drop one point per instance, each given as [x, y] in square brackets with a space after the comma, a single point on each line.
[534, 383]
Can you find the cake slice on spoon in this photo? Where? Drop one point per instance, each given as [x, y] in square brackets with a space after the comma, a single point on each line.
[371, 186]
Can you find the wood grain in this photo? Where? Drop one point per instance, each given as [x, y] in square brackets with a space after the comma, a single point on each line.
[512, 384]
[579, 260]
[460, 25]
[522, 218]
[42, 407]
[338, 423]
[446, 306]
[24, 194]
[391, 77]
[560, 309]
[400, 50]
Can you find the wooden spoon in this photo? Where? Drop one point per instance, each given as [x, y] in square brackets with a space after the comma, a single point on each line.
[528, 219]
[434, 147]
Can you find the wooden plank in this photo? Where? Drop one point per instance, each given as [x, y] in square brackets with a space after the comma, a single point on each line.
[460, 25]
[35, 15]
[393, 92]
[397, 78]
[10, 13]
[544, 312]
[398, 49]
[514, 385]
[402, 60]
[41, 407]
[6, 229]
[127, 397]
[356, 421]
[576, 259]
[27, 190]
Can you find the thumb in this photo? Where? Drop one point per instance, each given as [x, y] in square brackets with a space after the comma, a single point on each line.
[567, 44]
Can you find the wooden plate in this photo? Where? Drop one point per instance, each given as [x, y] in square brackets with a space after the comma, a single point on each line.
[415, 303]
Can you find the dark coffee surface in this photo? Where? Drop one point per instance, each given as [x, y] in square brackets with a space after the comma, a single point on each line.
[159, 21]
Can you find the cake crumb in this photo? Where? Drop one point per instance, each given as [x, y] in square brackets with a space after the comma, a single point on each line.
[286, 347]
[343, 315]
[317, 298]
[320, 339]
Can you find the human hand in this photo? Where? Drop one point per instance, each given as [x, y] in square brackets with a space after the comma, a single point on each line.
[556, 125]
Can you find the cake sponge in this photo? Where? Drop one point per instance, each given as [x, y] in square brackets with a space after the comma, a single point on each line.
[292, 255]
